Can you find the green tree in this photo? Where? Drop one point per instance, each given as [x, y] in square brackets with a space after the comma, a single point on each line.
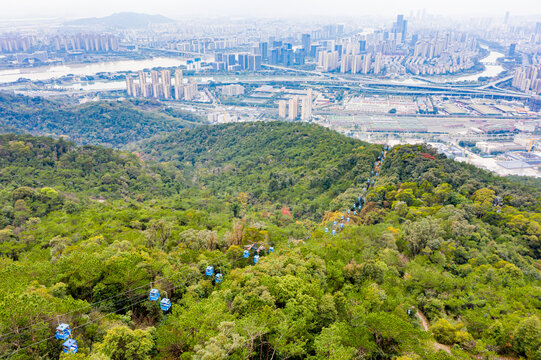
[122, 343]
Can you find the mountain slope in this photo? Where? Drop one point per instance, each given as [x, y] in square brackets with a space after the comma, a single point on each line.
[108, 123]
[301, 165]
[424, 242]
[122, 20]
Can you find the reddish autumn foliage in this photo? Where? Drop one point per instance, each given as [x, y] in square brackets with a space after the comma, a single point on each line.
[428, 156]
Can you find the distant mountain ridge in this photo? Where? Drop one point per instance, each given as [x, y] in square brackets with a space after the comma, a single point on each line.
[122, 20]
[107, 123]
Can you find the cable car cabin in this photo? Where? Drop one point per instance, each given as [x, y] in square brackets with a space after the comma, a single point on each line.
[63, 332]
[326, 230]
[333, 232]
[70, 346]
[246, 254]
[209, 271]
[165, 304]
[334, 223]
[342, 217]
[373, 182]
[256, 258]
[154, 295]
[347, 219]
[271, 249]
[341, 226]
[219, 277]
[355, 213]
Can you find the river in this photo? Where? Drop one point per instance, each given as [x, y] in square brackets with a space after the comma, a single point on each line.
[56, 71]
[491, 69]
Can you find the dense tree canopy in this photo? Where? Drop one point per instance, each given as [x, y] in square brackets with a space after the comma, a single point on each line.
[108, 123]
[431, 266]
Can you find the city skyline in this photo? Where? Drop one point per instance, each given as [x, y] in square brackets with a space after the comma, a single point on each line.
[177, 9]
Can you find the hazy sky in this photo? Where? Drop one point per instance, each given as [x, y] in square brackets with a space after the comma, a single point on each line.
[13, 9]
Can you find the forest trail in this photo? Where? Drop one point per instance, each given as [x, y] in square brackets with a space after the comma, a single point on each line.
[425, 325]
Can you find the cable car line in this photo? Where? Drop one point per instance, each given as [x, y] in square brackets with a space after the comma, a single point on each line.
[143, 298]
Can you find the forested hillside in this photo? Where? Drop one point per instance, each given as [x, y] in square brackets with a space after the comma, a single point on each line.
[299, 165]
[396, 254]
[108, 123]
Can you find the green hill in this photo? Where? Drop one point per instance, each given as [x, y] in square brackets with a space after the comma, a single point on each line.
[108, 123]
[442, 261]
[299, 165]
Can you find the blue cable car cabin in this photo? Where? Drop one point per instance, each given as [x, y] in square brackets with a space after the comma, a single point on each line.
[326, 230]
[347, 219]
[333, 232]
[154, 295]
[341, 226]
[209, 271]
[246, 254]
[355, 213]
[256, 258]
[165, 304]
[63, 332]
[70, 346]
[218, 278]
[334, 223]
[271, 249]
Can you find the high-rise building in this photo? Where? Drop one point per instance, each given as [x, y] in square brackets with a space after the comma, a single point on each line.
[254, 62]
[306, 44]
[190, 90]
[293, 108]
[166, 84]
[357, 64]
[367, 61]
[155, 77]
[129, 85]
[179, 86]
[328, 60]
[282, 109]
[378, 63]
[399, 28]
[306, 111]
[362, 45]
[156, 86]
[143, 84]
[512, 49]
[263, 50]
[243, 61]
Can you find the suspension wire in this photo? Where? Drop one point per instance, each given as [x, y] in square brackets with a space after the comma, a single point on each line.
[80, 326]
[45, 322]
[5, 336]
[143, 298]
[9, 335]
